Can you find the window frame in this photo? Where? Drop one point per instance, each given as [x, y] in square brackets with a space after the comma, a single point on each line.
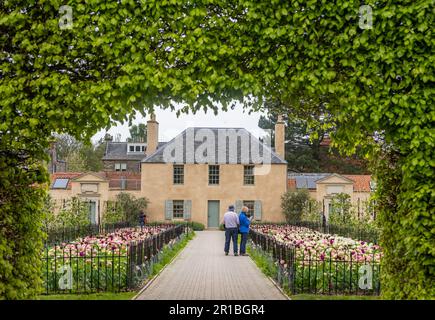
[179, 210]
[249, 176]
[214, 175]
[177, 175]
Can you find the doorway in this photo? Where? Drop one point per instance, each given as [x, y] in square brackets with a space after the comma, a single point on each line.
[93, 211]
[213, 214]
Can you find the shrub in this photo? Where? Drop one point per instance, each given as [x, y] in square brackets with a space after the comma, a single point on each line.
[113, 213]
[197, 226]
[75, 214]
[129, 207]
[341, 210]
[293, 203]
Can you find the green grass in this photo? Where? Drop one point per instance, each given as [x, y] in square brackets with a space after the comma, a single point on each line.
[265, 264]
[167, 255]
[91, 296]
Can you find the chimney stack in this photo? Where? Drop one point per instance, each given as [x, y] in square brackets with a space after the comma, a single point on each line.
[152, 134]
[280, 137]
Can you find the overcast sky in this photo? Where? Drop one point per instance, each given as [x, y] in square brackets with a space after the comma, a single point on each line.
[170, 125]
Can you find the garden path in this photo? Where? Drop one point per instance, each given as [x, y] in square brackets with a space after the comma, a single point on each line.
[202, 271]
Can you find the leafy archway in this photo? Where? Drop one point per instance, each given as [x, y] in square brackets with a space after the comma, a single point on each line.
[113, 57]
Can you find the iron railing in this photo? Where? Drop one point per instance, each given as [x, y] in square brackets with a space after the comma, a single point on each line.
[299, 271]
[81, 268]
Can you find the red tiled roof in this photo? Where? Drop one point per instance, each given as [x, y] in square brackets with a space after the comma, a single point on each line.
[114, 178]
[64, 175]
[361, 182]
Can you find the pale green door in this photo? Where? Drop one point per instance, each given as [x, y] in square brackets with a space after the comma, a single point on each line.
[93, 212]
[213, 214]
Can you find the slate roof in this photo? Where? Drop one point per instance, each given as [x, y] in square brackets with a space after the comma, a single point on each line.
[239, 157]
[118, 151]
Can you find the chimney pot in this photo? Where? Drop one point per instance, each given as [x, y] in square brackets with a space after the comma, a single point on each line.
[152, 134]
[280, 137]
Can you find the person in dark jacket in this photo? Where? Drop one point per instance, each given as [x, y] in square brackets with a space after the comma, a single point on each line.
[245, 221]
[142, 219]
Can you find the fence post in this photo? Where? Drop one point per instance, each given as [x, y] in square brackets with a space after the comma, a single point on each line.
[131, 263]
[291, 270]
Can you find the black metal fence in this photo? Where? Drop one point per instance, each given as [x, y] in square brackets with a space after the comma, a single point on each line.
[355, 233]
[318, 272]
[83, 268]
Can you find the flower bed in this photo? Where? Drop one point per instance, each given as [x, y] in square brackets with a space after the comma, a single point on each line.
[102, 262]
[315, 245]
[314, 262]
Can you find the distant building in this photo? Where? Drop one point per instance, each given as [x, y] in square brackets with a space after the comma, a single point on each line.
[187, 189]
[323, 186]
[125, 156]
[96, 188]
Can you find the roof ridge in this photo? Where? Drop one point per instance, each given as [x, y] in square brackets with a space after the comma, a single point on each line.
[182, 134]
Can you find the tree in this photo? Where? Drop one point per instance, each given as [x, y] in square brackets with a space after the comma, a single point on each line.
[304, 152]
[66, 145]
[341, 212]
[294, 204]
[49, 219]
[130, 206]
[75, 162]
[312, 212]
[138, 133]
[80, 156]
[93, 155]
[112, 58]
[302, 146]
[113, 213]
[74, 214]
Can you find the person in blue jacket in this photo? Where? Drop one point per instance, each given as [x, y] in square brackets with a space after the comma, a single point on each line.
[245, 221]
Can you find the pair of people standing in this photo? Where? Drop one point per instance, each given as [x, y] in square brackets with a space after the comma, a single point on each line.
[234, 224]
